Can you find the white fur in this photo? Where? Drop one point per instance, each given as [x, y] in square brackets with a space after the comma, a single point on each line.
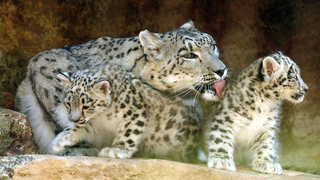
[43, 133]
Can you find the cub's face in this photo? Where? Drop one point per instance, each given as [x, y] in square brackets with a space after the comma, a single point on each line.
[294, 88]
[86, 97]
[286, 81]
[183, 60]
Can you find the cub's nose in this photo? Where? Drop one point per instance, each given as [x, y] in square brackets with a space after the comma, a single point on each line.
[74, 119]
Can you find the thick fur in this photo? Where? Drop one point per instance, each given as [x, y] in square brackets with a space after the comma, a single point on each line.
[116, 113]
[174, 63]
[246, 120]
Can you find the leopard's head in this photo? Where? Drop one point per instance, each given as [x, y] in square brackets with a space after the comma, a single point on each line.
[183, 60]
[284, 78]
[85, 97]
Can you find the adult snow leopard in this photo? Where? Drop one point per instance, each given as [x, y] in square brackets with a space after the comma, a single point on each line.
[247, 117]
[115, 112]
[174, 62]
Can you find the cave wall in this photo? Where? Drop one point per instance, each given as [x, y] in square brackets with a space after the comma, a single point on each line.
[245, 30]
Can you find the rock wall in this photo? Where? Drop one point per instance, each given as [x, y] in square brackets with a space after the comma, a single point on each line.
[244, 30]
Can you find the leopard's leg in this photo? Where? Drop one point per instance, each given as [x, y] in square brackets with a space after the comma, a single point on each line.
[220, 145]
[190, 148]
[264, 149]
[127, 139]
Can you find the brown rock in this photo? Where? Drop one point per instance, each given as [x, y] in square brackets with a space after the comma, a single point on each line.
[16, 137]
[80, 167]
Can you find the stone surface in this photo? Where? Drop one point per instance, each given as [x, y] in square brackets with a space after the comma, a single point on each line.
[54, 167]
[16, 137]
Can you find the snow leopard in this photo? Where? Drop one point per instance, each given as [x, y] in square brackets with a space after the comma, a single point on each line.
[121, 116]
[174, 63]
[246, 120]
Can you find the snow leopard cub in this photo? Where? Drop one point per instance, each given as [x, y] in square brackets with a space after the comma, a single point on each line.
[246, 120]
[116, 113]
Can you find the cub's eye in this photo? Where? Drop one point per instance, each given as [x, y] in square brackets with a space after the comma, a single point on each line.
[190, 56]
[85, 107]
[295, 77]
[68, 105]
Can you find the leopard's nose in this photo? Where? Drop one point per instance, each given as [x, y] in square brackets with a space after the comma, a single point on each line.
[220, 72]
[305, 88]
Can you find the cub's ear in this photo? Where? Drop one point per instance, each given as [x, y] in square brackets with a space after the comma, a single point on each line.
[102, 88]
[188, 24]
[151, 43]
[64, 78]
[269, 67]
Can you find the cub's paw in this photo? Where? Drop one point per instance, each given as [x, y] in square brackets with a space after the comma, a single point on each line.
[267, 167]
[115, 153]
[76, 151]
[54, 149]
[218, 163]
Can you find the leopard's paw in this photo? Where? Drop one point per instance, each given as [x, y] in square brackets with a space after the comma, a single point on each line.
[218, 163]
[267, 167]
[115, 153]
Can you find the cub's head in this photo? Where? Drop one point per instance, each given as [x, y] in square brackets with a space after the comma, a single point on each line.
[85, 96]
[183, 60]
[283, 78]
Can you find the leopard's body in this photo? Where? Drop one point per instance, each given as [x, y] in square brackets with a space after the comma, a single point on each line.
[246, 120]
[115, 112]
[173, 63]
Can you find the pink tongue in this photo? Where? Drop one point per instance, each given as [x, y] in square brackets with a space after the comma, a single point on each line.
[219, 86]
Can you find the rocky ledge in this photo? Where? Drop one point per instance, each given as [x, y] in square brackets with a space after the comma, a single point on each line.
[56, 167]
[16, 137]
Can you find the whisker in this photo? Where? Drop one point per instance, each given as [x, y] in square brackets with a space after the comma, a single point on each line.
[187, 92]
[182, 87]
[197, 95]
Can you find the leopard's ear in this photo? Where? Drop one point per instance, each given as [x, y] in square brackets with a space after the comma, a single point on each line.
[269, 68]
[151, 44]
[64, 79]
[188, 24]
[102, 87]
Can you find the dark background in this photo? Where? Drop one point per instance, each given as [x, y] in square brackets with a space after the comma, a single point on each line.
[245, 30]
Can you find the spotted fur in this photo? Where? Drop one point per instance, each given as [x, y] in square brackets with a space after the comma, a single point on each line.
[119, 115]
[246, 120]
[174, 63]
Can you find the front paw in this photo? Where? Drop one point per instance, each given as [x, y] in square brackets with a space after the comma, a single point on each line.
[267, 167]
[55, 149]
[219, 163]
[76, 151]
[115, 153]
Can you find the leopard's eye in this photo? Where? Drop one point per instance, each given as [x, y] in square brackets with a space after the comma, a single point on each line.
[215, 50]
[190, 56]
[295, 77]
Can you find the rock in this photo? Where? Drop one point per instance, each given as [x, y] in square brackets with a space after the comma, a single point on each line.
[8, 163]
[80, 167]
[16, 137]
